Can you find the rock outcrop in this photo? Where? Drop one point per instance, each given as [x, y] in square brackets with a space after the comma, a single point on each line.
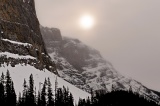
[20, 35]
[85, 68]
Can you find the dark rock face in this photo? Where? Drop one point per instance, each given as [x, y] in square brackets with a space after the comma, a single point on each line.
[20, 34]
[50, 34]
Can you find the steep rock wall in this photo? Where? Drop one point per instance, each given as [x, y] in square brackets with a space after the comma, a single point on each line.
[20, 34]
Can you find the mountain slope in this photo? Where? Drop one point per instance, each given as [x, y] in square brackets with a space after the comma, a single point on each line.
[85, 67]
[22, 49]
[21, 72]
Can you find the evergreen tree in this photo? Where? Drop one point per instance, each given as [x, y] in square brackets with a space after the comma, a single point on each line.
[59, 98]
[50, 94]
[24, 95]
[56, 95]
[65, 96]
[56, 86]
[88, 102]
[13, 95]
[10, 93]
[92, 96]
[2, 79]
[81, 102]
[43, 94]
[35, 97]
[71, 100]
[30, 95]
[2, 96]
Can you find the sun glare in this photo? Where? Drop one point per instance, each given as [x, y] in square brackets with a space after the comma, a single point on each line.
[86, 21]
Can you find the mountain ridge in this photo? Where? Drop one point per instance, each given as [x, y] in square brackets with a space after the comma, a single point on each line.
[84, 66]
[23, 51]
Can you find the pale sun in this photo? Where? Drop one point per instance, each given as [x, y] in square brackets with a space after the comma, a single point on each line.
[86, 21]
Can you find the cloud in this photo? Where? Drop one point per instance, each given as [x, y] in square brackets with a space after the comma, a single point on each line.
[126, 32]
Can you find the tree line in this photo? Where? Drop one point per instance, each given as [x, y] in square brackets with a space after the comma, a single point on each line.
[62, 96]
[28, 97]
[116, 98]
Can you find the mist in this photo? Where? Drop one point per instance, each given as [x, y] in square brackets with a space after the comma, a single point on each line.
[126, 32]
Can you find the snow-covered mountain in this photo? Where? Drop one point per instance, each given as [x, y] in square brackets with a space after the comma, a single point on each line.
[23, 52]
[84, 66]
[22, 49]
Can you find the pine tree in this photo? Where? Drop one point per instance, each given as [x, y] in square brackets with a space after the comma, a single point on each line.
[56, 85]
[24, 95]
[2, 96]
[65, 96]
[30, 95]
[13, 95]
[81, 102]
[59, 98]
[56, 91]
[92, 96]
[50, 94]
[9, 91]
[43, 94]
[35, 97]
[88, 102]
[2, 79]
[71, 100]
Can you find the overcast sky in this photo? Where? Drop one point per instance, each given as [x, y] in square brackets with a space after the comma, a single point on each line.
[126, 32]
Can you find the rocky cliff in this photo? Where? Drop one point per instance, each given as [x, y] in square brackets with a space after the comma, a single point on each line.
[85, 68]
[22, 50]
[20, 37]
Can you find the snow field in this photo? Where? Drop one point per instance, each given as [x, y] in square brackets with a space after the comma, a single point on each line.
[21, 72]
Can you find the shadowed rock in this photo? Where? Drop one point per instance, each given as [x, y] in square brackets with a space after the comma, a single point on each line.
[20, 34]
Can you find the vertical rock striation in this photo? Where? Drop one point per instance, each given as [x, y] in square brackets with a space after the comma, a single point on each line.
[20, 35]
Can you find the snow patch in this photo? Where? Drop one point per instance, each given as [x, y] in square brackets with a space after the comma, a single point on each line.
[16, 56]
[18, 43]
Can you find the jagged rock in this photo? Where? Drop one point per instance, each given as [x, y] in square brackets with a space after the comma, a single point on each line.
[21, 43]
[50, 34]
[20, 34]
[85, 68]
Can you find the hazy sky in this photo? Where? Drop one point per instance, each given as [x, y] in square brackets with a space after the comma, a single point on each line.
[126, 32]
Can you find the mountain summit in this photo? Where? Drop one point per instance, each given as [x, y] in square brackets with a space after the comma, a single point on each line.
[84, 66]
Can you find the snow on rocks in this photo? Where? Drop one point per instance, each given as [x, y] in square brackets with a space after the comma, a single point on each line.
[16, 56]
[18, 43]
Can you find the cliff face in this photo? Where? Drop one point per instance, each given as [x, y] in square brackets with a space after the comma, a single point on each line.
[22, 51]
[78, 63]
[20, 35]
[21, 43]
[50, 34]
[85, 68]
